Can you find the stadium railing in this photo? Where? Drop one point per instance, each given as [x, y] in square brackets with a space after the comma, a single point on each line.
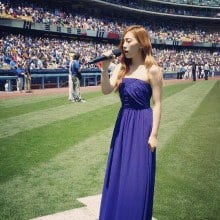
[46, 78]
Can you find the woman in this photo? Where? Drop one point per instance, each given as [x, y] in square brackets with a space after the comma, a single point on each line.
[130, 175]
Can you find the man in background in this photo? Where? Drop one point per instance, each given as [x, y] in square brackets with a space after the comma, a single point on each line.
[194, 71]
[74, 79]
[206, 70]
[20, 77]
[27, 75]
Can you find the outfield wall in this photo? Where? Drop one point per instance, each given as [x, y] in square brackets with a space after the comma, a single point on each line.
[57, 78]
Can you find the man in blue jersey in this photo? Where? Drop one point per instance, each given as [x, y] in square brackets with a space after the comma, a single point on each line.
[75, 75]
[20, 77]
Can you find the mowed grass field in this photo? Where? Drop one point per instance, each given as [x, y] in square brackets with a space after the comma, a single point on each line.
[53, 152]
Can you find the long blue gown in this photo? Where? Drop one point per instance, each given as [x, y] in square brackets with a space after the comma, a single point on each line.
[130, 174]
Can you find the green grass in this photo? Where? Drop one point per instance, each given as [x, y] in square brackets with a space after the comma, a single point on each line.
[45, 169]
[188, 175]
[172, 89]
[24, 122]
[53, 186]
[29, 148]
[40, 104]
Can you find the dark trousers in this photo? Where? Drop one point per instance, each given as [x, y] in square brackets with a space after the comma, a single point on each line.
[194, 76]
[206, 74]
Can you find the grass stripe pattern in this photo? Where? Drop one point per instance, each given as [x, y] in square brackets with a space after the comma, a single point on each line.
[61, 154]
[46, 116]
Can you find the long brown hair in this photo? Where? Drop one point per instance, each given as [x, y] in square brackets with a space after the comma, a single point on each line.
[142, 36]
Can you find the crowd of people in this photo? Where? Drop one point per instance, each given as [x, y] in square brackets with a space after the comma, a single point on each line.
[54, 53]
[161, 30]
[47, 53]
[213, 3]
[167, 9]
[171, 60]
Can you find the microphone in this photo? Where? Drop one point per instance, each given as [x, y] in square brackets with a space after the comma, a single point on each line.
[115, 52]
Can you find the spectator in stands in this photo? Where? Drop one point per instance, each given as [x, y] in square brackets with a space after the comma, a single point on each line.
[77, 19]
[1, 8]
[1, 60]
[12, 64]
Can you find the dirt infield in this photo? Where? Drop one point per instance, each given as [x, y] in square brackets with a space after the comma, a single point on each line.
[14, 94]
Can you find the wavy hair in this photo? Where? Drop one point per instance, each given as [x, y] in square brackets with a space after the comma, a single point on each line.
[142, 36]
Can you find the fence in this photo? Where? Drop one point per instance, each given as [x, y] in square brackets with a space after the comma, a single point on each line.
[47, 78]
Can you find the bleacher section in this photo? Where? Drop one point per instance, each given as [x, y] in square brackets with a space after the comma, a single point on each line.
[50, 32]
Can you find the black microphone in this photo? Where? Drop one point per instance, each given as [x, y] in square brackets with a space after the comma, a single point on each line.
[115, 52]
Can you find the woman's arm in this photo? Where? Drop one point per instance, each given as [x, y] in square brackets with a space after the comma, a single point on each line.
[108, 84]
[156, 81]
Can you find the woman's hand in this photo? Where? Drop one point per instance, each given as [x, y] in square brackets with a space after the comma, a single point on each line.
[153, 142]
[103, 66]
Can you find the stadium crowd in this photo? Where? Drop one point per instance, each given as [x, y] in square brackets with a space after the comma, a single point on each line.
[161, 30]
[55, 53]
[212, 3]
[167, 9]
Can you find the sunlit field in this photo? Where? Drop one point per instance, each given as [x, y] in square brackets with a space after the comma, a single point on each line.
[53, 152]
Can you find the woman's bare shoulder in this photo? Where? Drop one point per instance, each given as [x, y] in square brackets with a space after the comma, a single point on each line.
[155, 74]
[155, 69]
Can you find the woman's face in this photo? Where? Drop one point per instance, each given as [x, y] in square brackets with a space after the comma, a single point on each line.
[131, 46]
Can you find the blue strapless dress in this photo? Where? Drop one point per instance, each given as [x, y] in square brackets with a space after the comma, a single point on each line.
[130, 175]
